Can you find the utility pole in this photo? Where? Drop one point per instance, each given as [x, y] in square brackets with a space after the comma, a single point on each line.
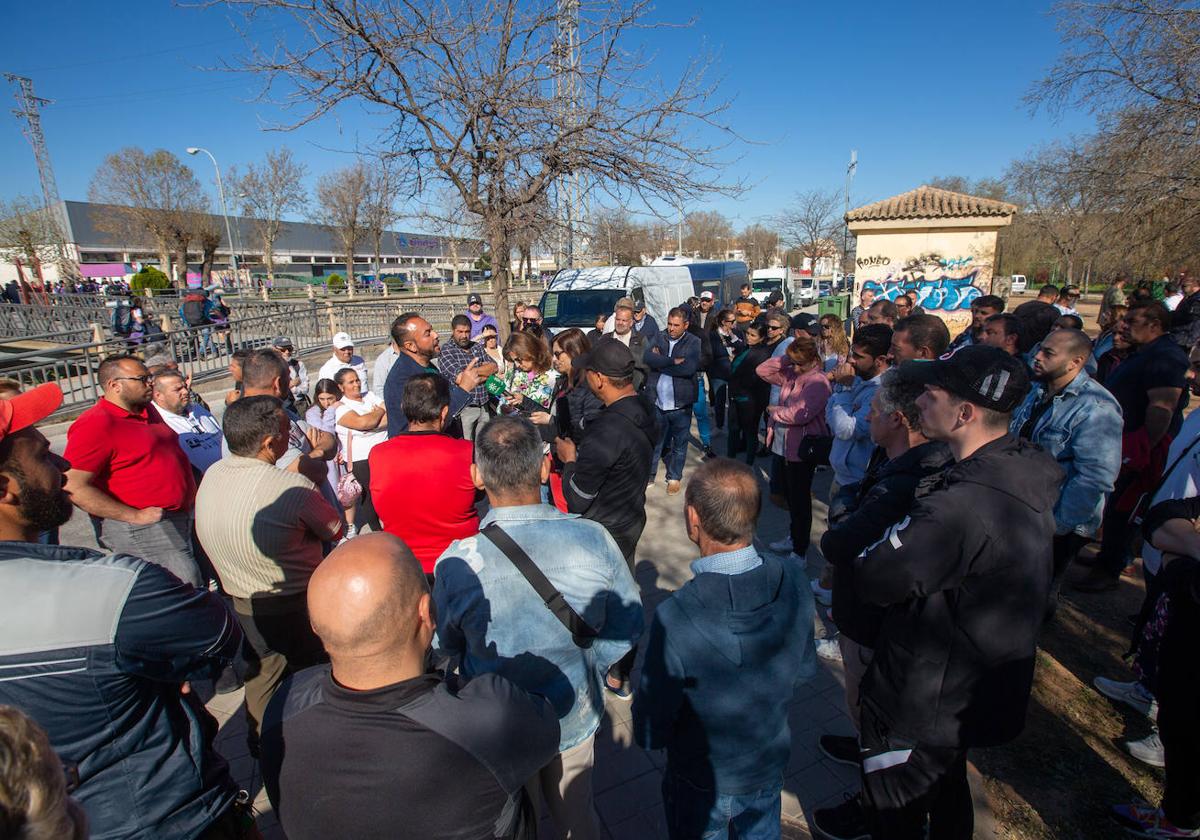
[30, 112]
[850, 170]
[567, 91]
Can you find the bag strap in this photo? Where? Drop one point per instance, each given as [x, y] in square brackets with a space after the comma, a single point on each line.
[581, 632]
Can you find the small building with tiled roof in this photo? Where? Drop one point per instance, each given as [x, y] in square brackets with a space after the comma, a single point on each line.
[935, 245]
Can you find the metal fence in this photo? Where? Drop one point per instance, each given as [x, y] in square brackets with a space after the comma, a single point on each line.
[204, 352]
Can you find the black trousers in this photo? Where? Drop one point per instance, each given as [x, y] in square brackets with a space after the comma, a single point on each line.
[1066, 548]
[366, 506]
[623, 667]
[1179, 730]
[929, 788]
[798, 479]
[1116, 541]
[744, 416]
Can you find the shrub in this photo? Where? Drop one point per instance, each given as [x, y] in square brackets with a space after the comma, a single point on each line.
[148, 278]
[335, 282]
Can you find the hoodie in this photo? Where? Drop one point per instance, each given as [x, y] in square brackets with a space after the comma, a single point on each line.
[964, 579]
[607, 481]
[724, 657]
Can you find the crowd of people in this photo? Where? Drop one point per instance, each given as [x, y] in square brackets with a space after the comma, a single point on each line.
[432, 558]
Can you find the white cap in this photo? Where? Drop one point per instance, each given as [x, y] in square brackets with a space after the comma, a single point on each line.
[342, 340]
[706, 296]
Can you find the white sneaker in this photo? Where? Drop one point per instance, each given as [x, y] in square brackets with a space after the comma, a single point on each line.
[824, 596]
[1149, 750]
[1131, 693]
[799, 560]
[829, 649]
[783, 546]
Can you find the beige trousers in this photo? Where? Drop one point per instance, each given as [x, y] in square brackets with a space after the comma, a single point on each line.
[565, 785]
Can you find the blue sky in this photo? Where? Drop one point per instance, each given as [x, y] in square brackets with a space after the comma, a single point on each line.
[919, 89]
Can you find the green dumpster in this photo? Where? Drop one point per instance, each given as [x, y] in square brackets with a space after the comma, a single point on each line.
[838, 305]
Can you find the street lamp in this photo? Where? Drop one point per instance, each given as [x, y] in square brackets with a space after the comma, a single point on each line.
[191, 150]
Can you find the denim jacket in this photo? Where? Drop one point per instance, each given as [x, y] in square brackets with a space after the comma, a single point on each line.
[1082, 430]
[846, 414]
[492, 621]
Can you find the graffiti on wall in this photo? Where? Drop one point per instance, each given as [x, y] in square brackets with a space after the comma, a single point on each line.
[937, 282]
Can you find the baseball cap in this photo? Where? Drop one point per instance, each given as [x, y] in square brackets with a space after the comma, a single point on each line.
[980, 374]
[342, 340]
[23, 410]
[639, 306]
[706, 295]
[807, 322]
[474, 298]
[609, 357]
[282, 342]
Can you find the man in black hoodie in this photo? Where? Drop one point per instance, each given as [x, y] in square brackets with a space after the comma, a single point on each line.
[964, 580]
[605, 478]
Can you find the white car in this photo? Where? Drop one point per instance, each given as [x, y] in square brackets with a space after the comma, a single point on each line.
[1018, 284]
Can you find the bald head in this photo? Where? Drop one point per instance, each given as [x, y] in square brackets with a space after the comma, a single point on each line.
[365, 599]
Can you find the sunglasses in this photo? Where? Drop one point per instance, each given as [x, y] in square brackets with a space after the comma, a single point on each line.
[774, 329]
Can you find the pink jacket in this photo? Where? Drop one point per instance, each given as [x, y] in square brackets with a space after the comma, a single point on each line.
[802, 399]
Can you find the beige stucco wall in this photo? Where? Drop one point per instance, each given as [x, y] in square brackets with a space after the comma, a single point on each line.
[944, 266]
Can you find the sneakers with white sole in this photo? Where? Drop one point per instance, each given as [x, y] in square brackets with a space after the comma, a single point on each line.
[829, 649]
[1131, 693]
[824, 596]
[1149, 750]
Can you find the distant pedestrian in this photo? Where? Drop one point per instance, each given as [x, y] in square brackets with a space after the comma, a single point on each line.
[724, 344]
[345, 357]
[1185, 318]
[674, 361]
[854, 385]
[982, 308]
[361, 423]
[725, 654]
[643, 322]
[1068, 299]
[334, 732]
[479, 319]
[128, 472]
[748, 394]
[866, 298]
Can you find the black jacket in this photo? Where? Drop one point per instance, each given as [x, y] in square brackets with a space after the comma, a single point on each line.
[607, 481]
[743, 381]
[719, 367]
[965, 580]
[885, 495]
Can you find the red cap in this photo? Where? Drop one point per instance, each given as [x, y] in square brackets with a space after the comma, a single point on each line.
[28, 408]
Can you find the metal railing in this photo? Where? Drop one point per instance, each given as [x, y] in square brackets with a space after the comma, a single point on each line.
[204, 352]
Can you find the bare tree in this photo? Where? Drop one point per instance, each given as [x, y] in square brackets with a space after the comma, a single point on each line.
[707, 233]
[811, 223]
[473, 95]
[760, 244]
[379, 208]
[29, 236]
[153, 193]
[459, 231]
[267, 192]
[208, 236]
[621, 239]
[992, 188]
[342, 197]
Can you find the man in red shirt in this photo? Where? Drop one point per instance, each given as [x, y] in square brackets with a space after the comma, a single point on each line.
[128, 471]
[421, 478]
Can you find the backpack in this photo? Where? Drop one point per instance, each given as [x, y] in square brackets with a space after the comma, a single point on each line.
[193, 311]
[122, 319]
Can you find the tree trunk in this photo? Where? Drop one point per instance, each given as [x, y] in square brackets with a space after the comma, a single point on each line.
[501, 280]
[206, 265]
[164, 260]
[181, 265]
[269, 258]
[350, 271]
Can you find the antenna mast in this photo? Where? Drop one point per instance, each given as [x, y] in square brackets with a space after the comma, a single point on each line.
[567, 92]
[29, 110]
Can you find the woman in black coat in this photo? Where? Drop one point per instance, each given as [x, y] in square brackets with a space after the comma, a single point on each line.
[748, 393]
[725, 344]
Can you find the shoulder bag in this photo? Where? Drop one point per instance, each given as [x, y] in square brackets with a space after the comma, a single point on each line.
[582, 633]
[349, 491]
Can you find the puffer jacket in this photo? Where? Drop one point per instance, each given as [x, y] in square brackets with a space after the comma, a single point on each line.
[965, 579]
[95, 648]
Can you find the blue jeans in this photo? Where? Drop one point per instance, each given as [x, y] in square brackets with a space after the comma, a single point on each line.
[700, 409]
[675, 425]
[697, 814]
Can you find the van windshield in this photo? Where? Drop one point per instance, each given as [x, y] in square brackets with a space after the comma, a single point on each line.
[578, 307]
[768, 284]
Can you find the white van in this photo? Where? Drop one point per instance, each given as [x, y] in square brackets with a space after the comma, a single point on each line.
[576, 296]
[1018, 284]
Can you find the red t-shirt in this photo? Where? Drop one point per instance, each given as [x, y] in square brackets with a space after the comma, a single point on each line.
[422, 489]
[135, 458]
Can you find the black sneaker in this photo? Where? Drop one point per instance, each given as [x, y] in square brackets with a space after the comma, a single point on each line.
[845, 822]
[841, 748]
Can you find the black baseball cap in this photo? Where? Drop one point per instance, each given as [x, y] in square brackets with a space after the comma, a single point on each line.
[808, 323]
[474, 298]
[639, 306]
[609, 357]
[982, 375]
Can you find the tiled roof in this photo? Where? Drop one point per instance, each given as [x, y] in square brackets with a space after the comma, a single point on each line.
[929, 203]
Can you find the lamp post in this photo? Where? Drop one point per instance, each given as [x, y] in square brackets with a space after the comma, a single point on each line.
[191, 150]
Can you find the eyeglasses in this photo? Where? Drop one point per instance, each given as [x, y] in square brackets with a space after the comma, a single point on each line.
[729, 321]
[145, 380]
[774, 328]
